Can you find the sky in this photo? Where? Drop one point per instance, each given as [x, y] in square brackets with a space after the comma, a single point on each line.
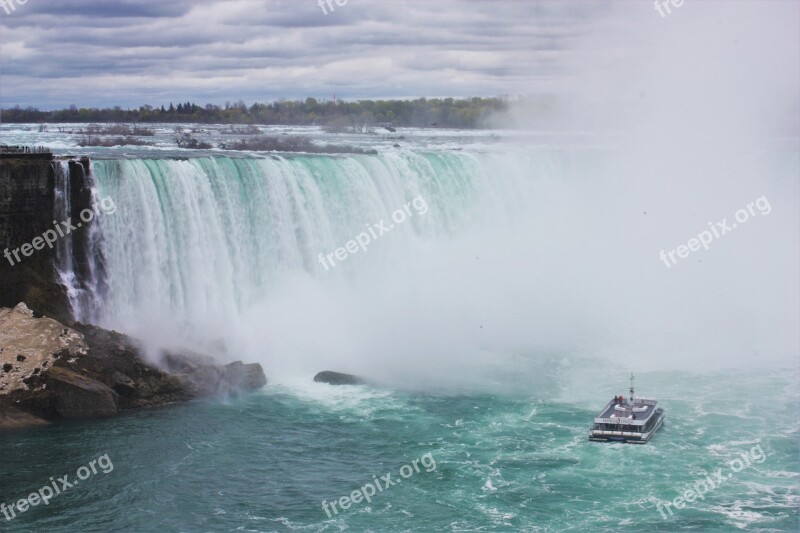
[56, 53]
[98, 53]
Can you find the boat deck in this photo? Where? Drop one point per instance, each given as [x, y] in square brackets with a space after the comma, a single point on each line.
[643, 412]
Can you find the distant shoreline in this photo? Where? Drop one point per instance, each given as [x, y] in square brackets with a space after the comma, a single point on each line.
[336, 115]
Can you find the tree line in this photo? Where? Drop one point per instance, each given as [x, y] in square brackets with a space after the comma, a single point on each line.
[361, 114]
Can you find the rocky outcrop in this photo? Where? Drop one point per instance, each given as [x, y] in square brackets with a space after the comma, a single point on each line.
[13, 418]
[337, 378]
[116, 361]
[48, 371]
[77, 396]
[203, 378]
[243, 376]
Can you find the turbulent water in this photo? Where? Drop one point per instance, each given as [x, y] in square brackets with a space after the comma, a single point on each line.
[267, 462]
[497, 298]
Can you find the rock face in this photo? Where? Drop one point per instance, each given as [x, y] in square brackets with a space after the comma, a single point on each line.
[115, 360]
[51, 371]
[27, 199]
[337, 378]
[76, 396]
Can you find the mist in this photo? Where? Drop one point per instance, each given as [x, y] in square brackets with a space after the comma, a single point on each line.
[665, 126]
[580, 244]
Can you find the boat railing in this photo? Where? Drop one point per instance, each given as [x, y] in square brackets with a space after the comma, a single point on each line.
[645, 401]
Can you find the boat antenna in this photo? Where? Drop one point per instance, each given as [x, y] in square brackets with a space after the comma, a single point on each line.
[631, 388]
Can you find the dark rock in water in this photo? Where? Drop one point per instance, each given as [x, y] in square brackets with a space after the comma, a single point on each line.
[245, 377]
[337, 378]
[203, 377]
[76, 396]
[13, 418]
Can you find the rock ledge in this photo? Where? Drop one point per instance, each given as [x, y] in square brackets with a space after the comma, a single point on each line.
[49, 371]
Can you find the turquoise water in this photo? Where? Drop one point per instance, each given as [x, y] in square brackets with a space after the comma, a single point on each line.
[503, 462]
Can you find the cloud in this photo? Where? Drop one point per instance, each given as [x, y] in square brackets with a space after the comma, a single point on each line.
[132, 52]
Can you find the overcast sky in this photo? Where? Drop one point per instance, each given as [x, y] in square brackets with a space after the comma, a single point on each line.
[131, 52]
[54, 53]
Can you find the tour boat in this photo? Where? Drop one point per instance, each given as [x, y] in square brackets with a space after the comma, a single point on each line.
[634, 420]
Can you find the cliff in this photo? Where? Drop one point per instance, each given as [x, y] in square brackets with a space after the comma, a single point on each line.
[27, 208]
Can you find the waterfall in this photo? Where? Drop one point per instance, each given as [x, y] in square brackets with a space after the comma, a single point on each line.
[207, 235]
[65, 264]
[80, 257]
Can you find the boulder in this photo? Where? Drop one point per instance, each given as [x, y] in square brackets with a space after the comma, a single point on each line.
[203, 377]
[245, 377]
[337, 378]
[77, 396]
[13, 418]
